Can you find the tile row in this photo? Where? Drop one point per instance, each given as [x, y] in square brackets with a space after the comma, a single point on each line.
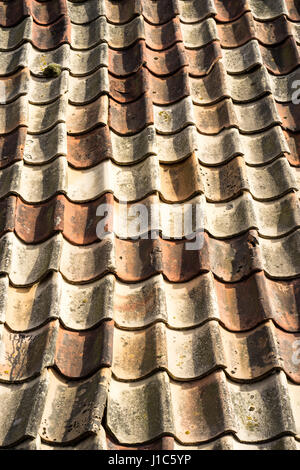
[87, 150]
[192, 412]
[237, 306]
[279, 60]
[131, 118]
[157, 37]
[86, 223]
[185, 355]
[163, 91]
[135, 260]
[190, 11]
[174, 183]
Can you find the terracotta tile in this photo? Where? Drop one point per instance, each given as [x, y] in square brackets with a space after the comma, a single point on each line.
[78, 354]
[90, 148]
[155, 103]
[12, 146]
[294, 147]
[159, 12]
[289, 114]
[229, 10]
[122, 12]
[130, 118]
[163, 36]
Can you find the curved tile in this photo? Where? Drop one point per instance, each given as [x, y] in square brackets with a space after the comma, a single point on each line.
[91, 148]
[159, 12]
[14, 86]
[268, 9]
[36, 223]
[33, 306]
[95, 441]
[201, 61]
[86, 117]
[87, 149]
[42, 117]
[31, 397]
[293, 9]
[38, 183]
[12, 146]
[78, 62]
[123, 35]
[77, 354]
[84, 62]
[126, 183]
[73, 409]
[231, 443]
[87, 36]
[200, 34]
[43, 90]
[74, 402]
[125, 90]
[161, 90]
[85, 12]
[34, 149]
[83, 90]
[130, 118]
[290, 116]
[10, 38]
[228, 10]
[282, 86]
[13, 115]
[241, 88]
[13, 12]
[192, 11]
[172, 118]
[127, 61]
[294, 146]
[122, 12]
[164, 443]
[190, 354]
[25, 355]
[227, 442]
[163, 36]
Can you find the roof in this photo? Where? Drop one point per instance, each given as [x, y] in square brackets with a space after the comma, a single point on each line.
[129, 342]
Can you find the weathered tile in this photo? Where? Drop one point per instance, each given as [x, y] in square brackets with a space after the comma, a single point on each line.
[201, 410]
[24, 405]
[174, 104]
[194, 353]
[73, 409]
